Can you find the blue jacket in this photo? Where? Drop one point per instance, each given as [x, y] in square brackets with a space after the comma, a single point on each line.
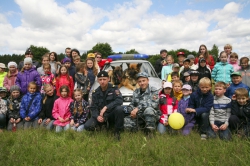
[222, 72]
[230, 90]
[182, 105]
[27, 76]
[201, 102]
[35, 106]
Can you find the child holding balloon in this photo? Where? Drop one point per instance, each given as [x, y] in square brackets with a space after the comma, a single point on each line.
[168, 105]
[182, 105]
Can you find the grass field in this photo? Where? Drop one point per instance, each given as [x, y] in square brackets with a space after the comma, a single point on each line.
[41, 147]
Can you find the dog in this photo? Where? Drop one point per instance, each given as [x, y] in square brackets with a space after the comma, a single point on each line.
[116, 75]
[129, 79]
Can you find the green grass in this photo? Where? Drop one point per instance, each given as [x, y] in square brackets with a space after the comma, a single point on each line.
[41, 147]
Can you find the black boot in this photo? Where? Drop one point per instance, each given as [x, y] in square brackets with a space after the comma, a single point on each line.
[117, 135]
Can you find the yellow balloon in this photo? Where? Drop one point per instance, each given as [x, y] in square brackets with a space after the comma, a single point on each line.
[176, 120]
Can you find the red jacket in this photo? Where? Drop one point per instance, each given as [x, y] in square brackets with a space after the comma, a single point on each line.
[168, 107]
[63, 80]
[211, 64]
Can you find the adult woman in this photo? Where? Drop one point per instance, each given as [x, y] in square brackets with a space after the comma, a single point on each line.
[209, 58]
[53, 61]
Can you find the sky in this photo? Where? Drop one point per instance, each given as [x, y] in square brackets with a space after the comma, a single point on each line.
[144, 25]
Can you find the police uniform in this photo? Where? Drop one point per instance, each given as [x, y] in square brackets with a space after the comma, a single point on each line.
[112, 99]
[147, 104]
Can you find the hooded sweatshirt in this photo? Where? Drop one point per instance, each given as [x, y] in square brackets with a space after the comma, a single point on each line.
[203, 71]
[9, 81]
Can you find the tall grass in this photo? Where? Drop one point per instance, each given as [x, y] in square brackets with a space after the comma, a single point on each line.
[41, 147]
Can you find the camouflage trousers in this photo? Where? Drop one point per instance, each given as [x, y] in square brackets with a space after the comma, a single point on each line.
[145, 118]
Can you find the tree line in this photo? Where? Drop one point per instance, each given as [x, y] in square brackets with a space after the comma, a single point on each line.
[104, 48]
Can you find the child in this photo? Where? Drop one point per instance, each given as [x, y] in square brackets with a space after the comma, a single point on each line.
[240, 112]
[194, 80]
[175, 68]
[3, 108]
[70, 66]
[222, 70]
[186, 79]
[92, 70]
[220, 113]
[168, 105]
[2, 73]
[186, 65]
[27, 75]
[228, 49]
[10, 78]
[82, 81]
[47, 77]
[177, 89]
[53, 61]
[175, 76]
[45, 117]
[64, 79]
[79, 111]
[168, 68]
[236, 83]
[191, 64]
[245, 70]
[46, 61]
[13, 113]
[201, 102]
[76, 60]
[31, 106]
[181, 57]
[182, 105]
[61, 110]
[203, 69]
[233, 60]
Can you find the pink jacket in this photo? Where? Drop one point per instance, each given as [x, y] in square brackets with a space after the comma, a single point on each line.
[61, 109]
[9, 81]
[235, 66]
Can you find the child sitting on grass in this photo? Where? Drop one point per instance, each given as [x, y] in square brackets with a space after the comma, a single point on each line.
[201, 102]
[61, 110]
[79, 111]
[168, 105]
[31, 106]
[239, 120]
[182, 105]
[220, 113]
[13, 103]
[3, 108]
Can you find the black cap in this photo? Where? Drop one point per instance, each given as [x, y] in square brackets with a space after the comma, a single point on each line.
[194, 73]
[163, 50]
[28, 51]
[102, 74]
[202, 60]
[186, 60]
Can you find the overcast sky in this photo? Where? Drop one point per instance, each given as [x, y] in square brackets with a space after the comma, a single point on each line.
[145, 25]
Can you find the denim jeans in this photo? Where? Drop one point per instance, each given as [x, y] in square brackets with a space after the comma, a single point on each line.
[60, 128]
[19, 126]
[223, 134]
[29, 124]
[203, 122]
[2, 121]
[79, 128]
[49, 126]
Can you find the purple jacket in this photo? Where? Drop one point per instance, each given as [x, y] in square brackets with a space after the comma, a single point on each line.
[189, 117]
[27, 76]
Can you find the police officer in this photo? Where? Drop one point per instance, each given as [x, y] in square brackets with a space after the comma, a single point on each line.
[144, 106]
[28, 53]
[106, 105]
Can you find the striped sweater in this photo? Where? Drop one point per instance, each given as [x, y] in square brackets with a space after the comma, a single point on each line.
[221, 110]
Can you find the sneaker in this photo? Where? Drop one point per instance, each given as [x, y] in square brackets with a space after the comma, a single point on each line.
[203, 136]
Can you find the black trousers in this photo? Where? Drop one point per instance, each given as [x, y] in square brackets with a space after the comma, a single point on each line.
[116, 116]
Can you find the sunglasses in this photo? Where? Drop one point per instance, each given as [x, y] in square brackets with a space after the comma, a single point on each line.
[98, 57]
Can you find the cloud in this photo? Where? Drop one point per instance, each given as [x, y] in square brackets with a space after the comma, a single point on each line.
[126, 26]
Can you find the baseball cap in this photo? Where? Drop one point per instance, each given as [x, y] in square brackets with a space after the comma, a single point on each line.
[180, 53]
[194, 73]
[175, 65]
[2, 65]
[186, 60]
[163, 50]
[235, 74]
[190, 56]
[186, 86]
[91, 55]
[202, 60]
[186, 74]
[167, 85]
[143, 74]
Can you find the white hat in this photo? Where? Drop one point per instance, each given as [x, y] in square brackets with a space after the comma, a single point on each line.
[186, 86]
[2, 65]
[167, 85]
[27, 60]
[12, 64]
